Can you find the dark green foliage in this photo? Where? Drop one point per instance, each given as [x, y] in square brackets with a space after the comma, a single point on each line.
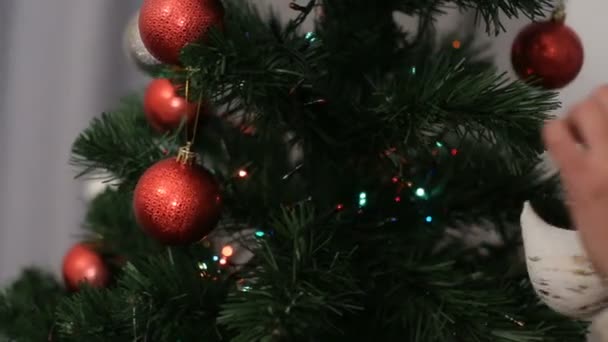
[434, 138]
[27, 307]
[159, 298]
[110, 220]
[299, 287]
[119, 142]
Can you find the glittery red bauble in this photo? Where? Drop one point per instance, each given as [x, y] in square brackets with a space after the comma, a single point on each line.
[177, 203]
[165, 109]
[550, 51]
[167, 26]
[83, 264]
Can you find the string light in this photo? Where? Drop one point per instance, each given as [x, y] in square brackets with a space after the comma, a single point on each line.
[216, 258]
[439, 144]
[413, 70]
[243, 173]
[223, 261]
[227, 251]
[398, 199]
[362, 199]
[202, 265]
[456, 44]
[429, 219]
[454, 151]
[260, 234]
[420, 192]
[394, 219]
[395, 179]
[340, 207]
[310, 36]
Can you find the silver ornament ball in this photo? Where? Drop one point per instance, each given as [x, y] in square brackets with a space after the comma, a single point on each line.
[135, 49]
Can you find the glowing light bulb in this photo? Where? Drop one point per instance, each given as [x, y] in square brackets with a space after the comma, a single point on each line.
[216, 258]
[398, 199]
[227, 251]
[454, 151]
[456, 44]
[223, 261]
[362, 199]
[259, 233]
[395, 179]
[340, 207]
[429, 219]
[413, 70]
[243, 173]
[310, 36]
[439, 144]
[420, 192]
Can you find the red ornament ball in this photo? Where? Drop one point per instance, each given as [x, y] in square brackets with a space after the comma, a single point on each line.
[165, 109]
[177, 202]
[167, 26]
[549, 50]
[82, 264]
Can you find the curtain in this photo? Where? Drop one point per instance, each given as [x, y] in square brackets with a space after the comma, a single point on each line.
[61, 63]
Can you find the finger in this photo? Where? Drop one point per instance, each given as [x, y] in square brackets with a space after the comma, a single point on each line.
[601, 97]
[590, 121]
[563, 147]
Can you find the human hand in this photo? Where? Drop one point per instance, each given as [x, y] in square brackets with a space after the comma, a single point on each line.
[578, 143]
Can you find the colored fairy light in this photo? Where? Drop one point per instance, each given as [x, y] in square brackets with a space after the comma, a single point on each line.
[420, 192]
[223, 261]
[227, 251]
[456, 44]
[454, 151]
[340, 207]
[410, 184]
[362, 199]
[259, 233]
[246, 288]
[429, 219]
[216, 258]
[395, 179]
[394, 219]
[398, 199]
[202, 265]
[439, 144]
[243, 173]
[310, 36]
[413, 70]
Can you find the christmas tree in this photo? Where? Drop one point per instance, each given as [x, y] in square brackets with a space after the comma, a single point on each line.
[278, 184]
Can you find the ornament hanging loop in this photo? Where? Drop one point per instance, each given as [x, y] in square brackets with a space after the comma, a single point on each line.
[198, 109]
[559, 15]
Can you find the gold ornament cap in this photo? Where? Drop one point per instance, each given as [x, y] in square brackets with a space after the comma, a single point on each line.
[185, 155]
[559, 15]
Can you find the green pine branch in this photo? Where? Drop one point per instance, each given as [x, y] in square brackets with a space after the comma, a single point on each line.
[299, 286]
[27, 307]
[120, 143]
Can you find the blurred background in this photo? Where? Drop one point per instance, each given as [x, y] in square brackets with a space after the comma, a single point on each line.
[62, 62]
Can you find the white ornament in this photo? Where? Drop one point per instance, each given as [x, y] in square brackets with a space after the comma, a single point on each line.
[97, 184]
[559, 269]
[135, 48]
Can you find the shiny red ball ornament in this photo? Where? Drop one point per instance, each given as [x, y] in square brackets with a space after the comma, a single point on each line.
[177, 201]
[165, 109]
[82, 264]
[551, 51]
[167, 26]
